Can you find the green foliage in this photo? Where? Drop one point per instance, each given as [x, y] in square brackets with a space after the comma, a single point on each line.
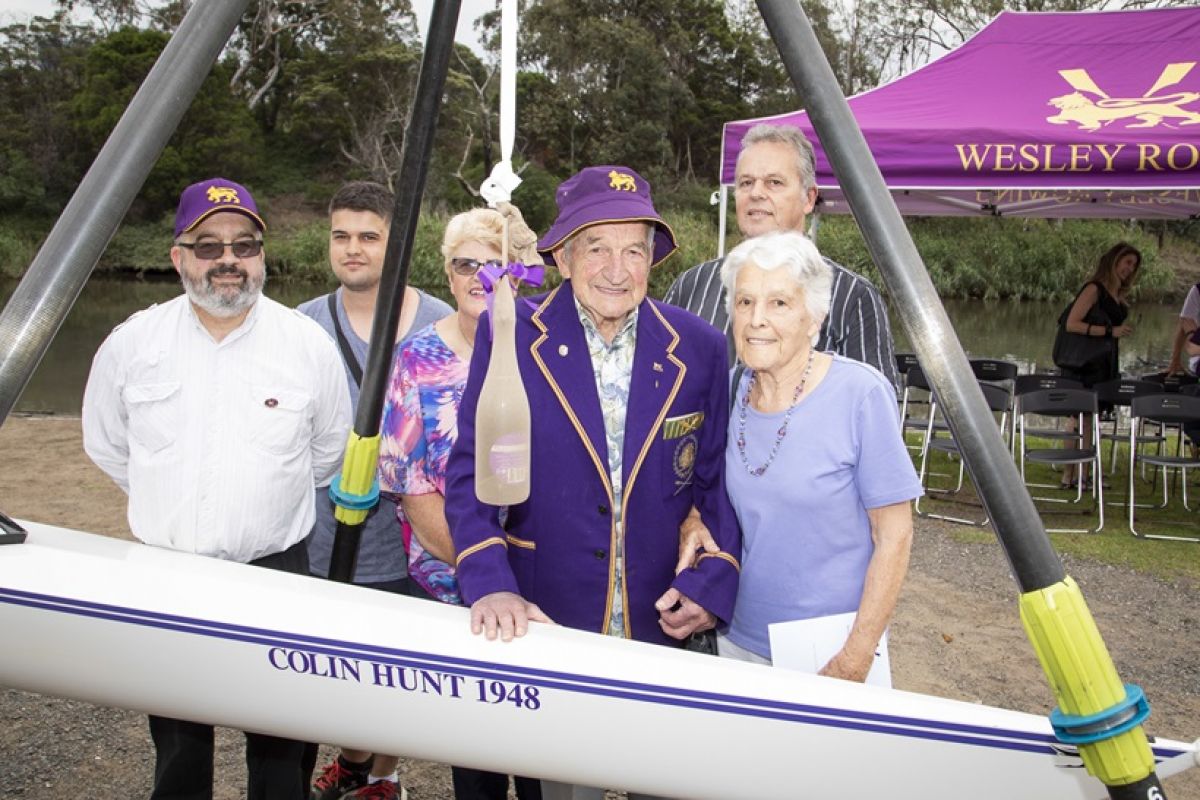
[642, 84]
[40, 64]
[695, 233]
[19, 241]
[535, 197]
[140, 247]
[344, 99]
[300, 252]
[965, 258]
[312, 94]
[1006, 258]
[217, 135]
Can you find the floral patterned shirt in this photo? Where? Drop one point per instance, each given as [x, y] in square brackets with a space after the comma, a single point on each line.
[612, 365]
[420, 424]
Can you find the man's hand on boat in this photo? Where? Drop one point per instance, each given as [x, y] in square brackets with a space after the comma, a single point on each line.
[680, 616]
[505, 613]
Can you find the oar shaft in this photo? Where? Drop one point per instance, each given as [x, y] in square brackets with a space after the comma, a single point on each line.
[359, 469]
[1057, 619]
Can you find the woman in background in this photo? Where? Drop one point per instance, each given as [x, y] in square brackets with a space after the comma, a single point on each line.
[1100, 310]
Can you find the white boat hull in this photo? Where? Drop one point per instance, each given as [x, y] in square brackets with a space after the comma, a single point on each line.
[122, 624]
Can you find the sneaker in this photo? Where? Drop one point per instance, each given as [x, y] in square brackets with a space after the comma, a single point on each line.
[379, 790]
[336, 782]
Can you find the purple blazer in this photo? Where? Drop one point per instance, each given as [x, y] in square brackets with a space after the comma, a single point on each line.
[556, 548]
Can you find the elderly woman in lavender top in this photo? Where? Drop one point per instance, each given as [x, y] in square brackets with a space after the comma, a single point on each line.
[816, 466]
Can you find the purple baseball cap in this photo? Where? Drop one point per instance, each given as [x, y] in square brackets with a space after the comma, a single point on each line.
[201, 200]
[596, 195]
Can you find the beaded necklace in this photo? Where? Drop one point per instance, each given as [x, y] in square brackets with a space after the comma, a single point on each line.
[783, 429]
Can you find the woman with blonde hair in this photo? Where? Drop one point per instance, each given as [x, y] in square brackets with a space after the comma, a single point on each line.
[420, 424]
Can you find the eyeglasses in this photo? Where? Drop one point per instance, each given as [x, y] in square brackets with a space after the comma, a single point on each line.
[209, 250]
[469, 266]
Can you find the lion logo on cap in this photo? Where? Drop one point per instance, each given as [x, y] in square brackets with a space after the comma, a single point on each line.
[223, 194]
[621, 181]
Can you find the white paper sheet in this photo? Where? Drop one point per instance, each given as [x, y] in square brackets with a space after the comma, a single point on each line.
[806, 645]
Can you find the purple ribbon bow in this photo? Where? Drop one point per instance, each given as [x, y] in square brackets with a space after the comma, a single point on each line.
[491, 273]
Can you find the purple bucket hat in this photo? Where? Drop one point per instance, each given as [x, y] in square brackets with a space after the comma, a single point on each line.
[596, 195]
[201, 200]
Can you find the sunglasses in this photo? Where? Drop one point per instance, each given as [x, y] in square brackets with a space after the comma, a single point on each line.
[469, 266]
[209, 250]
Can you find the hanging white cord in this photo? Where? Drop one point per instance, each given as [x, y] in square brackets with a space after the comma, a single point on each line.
[499, 186]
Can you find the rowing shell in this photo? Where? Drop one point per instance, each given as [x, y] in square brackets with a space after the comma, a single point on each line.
[122, 624]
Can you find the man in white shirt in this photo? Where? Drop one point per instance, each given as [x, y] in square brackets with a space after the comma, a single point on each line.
[219, 413]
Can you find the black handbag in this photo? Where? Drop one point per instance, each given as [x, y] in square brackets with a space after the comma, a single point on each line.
[1075, 351]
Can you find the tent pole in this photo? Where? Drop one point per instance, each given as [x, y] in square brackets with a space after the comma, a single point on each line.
[362, 451]
[722, 220]
[58, 273]
[1052, 607]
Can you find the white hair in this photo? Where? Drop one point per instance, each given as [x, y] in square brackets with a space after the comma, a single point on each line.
[789, 249]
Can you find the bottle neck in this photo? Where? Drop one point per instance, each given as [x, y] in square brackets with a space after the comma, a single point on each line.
[504, 319]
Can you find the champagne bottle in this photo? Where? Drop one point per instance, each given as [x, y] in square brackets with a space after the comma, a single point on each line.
[502, 427]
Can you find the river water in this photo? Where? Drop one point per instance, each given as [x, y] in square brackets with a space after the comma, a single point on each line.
[1021, 332]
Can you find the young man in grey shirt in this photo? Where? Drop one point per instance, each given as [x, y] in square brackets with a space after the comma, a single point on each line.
[360, 215]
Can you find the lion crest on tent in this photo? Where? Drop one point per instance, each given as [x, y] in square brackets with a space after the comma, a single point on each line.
[1091, 115]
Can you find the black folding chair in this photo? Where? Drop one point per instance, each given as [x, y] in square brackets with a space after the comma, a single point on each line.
[1171, 383]
[998, 399]
[994, 370]
[1119, 393]
[916, 393]
[1076, 403]
[1000, 373]
[904, 361]
[1038, 382]
[1170, 409]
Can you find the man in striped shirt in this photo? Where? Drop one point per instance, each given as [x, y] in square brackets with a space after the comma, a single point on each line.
[775, 189]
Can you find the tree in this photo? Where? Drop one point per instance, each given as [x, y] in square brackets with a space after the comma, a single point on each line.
[217, 135]
[41, 65]
[345, 95]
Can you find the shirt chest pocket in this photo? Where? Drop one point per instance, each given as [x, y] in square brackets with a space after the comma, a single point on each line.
[153, 410]
[278, 419]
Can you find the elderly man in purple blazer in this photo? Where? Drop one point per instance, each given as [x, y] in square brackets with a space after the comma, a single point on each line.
[629, 401]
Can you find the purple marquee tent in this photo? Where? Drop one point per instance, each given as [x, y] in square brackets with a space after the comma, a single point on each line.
[1087, 114]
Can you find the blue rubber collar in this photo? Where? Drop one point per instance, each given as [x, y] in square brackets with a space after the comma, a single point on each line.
[353, 502]
[1124, 716]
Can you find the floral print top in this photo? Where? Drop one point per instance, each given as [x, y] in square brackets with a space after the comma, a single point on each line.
[420, 424]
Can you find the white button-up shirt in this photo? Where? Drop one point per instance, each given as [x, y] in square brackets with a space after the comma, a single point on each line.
[219, 445]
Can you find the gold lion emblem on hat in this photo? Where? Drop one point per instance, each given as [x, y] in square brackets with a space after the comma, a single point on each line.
[223, 194]
[621, 181]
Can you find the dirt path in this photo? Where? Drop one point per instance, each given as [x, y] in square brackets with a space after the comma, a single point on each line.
[957, 634]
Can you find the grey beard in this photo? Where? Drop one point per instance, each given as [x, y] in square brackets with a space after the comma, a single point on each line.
[221, 304]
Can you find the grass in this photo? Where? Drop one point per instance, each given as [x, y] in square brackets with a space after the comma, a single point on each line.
[1114, 544]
